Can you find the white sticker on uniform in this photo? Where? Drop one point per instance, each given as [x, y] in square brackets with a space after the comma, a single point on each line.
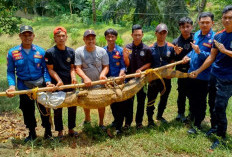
[168, 53]
[68, 59]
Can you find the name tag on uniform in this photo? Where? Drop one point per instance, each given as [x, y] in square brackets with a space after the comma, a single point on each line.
[38, 56]
[116, 56]
[207, 45]
[17, 55]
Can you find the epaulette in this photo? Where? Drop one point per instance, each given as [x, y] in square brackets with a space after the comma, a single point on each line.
[220, 31]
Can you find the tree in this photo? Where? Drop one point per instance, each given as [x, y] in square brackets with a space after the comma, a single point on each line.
[94, 11]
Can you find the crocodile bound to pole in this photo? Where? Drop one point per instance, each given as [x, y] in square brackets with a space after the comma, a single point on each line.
[101, 97]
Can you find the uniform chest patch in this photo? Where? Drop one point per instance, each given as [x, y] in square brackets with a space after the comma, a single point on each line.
[186, 46]
[207, 45]
[116, 56]
[17, 55]
[117, 63]
[68, 59]
[38, 56]
[142, 53]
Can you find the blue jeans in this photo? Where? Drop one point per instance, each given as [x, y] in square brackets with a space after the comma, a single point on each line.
[224, 92]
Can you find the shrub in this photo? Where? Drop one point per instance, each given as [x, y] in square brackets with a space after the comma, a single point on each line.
[119, 41]
[101, 41]
[74, 35]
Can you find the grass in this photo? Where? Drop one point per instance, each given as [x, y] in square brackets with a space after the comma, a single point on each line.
[163, 140]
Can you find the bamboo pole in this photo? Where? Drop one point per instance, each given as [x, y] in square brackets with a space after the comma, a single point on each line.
[81, 85]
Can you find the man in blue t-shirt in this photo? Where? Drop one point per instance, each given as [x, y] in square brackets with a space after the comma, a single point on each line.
[116, 68]
[198, 87]
[221, 56]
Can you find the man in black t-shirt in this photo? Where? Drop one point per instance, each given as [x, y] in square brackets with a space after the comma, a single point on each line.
[182, 48]
[137, 57]
[60, 64]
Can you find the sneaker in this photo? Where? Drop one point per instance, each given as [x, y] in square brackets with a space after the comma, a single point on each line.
[139, 126]
[211, 131]
[118, 132]
[126, 127]
[31, 137]
[215, 144]
[192, 131]
[178, 117]
[162, 119]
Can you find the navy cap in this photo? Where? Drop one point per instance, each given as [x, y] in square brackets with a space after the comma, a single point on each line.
[26, 29]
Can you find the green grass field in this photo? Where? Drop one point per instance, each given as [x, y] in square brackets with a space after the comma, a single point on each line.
[163, 140]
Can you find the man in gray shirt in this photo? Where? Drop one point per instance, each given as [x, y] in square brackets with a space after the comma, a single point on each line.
[92, 64]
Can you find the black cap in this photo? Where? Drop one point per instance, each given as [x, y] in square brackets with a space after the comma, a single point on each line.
[26, 29]
[89, 32]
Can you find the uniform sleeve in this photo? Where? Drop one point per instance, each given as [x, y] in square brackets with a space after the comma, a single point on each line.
[203, 55]
[77, 60]
[46, 75]
[48, 58]
[10, 70]
[105, 58]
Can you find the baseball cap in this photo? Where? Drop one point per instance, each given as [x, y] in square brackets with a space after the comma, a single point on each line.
[26, 29]
[89, 32]
[161, 27]
[58, 29]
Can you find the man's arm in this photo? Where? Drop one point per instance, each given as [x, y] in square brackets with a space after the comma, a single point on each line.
[222, 48]
[206, 64]
[54, 75]
[10, 75]
[81, 73]
[104, 72]
[73, 74]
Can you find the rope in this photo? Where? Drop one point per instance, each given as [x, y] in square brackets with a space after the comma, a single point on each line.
[34, 93]
[150, 103]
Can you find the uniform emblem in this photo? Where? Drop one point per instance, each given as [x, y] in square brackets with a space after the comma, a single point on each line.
[117, 63]
[38, 65]
[37, 53]
[142, 53]
[68, 59]
[168, 53]
[210, 41]
[116, 56]
[117, 53]
[186, 46]
[46, 59]
[207, 45]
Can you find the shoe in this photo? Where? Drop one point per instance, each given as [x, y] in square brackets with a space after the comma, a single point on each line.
[151, 124]
[102, 127]
[126, 127]
[162, 119]
[60, 135]
[139, 126]
[192, 131]
[215, 144]
[179, 116]
[119, 132]
[211, 131]
[73, 133]
[31, 137]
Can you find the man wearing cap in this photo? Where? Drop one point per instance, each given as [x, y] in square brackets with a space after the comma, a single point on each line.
[137, 57]
[162, 54]
[60, 64]
[92, 64]
[26, 61]
[198, 87]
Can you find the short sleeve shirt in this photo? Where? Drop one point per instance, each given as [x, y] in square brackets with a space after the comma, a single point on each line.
[222, 67]
[91, 62]
[61, 61]
[139, 56]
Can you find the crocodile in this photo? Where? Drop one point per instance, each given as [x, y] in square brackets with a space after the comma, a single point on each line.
[104, 96]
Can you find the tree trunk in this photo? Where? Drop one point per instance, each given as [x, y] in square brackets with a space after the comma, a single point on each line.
[70, 6]
[94, 11]
[201, 8]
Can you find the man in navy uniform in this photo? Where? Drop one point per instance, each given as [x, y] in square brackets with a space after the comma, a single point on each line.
[27, 62]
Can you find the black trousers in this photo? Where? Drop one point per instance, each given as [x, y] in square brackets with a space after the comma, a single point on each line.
[141, 96]
[211, 100]
[28, 108]
[182, 94]
[58, 121]
[154, 88]
[118, 112]
[198, 90]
